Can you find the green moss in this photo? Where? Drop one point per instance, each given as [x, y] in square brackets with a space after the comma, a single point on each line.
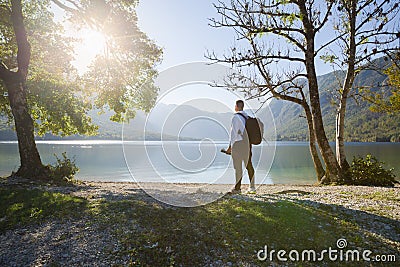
[22, 206]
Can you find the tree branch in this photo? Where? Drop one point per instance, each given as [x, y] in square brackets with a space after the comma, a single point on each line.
[24, 48]
[325, 20]
[4, 71]
[77, 11]
[371, 15]
[375, 52]
[65, 7]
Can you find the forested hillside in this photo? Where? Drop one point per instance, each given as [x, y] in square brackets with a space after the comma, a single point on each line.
[362, 125]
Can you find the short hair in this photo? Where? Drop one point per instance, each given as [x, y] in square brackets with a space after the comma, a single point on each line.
[240, 104]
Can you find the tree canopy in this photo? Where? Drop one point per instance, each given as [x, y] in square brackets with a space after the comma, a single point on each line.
[382, 102]
[42, 90]
[58, 96]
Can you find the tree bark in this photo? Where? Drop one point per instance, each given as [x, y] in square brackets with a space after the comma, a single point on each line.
[340, 118]
[347, 85]
[319, 169]
[31, 164]
[333, 172]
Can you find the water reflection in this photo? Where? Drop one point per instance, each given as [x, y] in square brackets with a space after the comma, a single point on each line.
[104, 161]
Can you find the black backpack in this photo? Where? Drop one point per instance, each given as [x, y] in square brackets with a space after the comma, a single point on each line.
[254, 129]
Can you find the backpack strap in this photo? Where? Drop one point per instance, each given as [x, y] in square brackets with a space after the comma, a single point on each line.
[242, 115]
[245, 119]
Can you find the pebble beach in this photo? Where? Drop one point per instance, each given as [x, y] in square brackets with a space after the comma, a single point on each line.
[74, 242]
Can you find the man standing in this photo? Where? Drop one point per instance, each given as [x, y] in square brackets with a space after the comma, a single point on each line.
[240, 149]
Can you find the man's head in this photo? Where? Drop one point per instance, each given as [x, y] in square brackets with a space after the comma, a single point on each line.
[239, 105]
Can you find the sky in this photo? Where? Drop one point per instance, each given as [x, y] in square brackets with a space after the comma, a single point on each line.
[181, 29]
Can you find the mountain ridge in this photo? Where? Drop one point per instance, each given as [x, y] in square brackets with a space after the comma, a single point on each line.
[193, 123]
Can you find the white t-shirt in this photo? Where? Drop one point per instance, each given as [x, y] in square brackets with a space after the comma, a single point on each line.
[237, 127]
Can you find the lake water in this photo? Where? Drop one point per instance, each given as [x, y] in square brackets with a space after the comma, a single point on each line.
[192, 162]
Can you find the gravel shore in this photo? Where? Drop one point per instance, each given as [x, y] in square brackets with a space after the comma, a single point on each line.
[79, 243]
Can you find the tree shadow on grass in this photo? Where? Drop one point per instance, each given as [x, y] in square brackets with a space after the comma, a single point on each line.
[380, 225]
[134, 228]
[228, 230]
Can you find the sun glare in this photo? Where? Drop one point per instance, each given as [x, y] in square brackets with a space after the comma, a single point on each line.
[91, 43]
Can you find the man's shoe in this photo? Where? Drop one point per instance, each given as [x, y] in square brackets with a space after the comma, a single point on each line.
[251, 190]
[234, 192]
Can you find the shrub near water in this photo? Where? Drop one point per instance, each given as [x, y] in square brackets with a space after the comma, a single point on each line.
[370, 171]
[64, 170]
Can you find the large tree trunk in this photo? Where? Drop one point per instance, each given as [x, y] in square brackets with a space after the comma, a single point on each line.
[347, 85]
[31, 164]
[333, 172]
[340, 118]
[319, 169]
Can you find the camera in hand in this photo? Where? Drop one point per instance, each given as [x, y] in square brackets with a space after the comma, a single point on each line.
[224, 151]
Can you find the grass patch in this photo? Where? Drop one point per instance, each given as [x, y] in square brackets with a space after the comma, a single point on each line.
[228, 230]
[382, 196]
[22, 206]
